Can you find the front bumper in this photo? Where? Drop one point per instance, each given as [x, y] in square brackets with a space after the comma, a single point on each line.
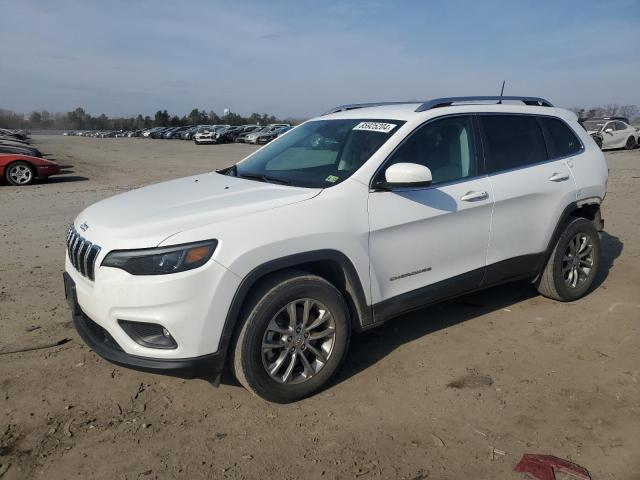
[191, 305]
[101, 342]
[47, 170]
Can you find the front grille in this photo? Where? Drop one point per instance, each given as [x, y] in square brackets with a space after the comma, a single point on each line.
[82, 253]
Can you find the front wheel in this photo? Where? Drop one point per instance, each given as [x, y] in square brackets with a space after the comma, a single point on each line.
[294, 337]
[631, 143]
[20, 173]
[573, 264]
[598, 141]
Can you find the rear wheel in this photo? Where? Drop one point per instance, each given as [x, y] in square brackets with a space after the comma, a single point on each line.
[573, 264]
[631, 143]
[20, 173]
[293, 339]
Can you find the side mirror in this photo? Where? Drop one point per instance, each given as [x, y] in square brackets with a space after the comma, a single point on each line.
[609, 130]
[408, 175]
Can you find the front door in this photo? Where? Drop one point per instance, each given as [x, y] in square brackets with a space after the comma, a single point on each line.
[431, 242]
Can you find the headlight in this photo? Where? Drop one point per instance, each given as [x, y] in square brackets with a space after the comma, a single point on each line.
[163, 260]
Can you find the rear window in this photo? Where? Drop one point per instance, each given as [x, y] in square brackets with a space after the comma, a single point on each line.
[512, 141]
[562, 141]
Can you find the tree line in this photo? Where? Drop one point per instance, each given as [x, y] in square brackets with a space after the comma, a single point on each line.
[610, 110]
[79, 119]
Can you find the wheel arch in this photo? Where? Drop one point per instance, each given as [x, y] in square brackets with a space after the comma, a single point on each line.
[332, 265]
[588, 208]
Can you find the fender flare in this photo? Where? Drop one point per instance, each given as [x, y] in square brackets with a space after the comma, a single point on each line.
[562, 221]
[353, 286]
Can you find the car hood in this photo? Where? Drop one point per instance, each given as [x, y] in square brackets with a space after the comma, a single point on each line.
[147, 216]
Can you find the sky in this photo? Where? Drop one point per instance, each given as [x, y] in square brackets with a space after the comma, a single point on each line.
[300, 58]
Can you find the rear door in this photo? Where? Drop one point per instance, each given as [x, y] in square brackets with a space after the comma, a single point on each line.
[531, 188]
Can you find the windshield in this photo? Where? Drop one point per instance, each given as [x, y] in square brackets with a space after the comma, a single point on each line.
[204, 130]
[321, 153]
[594, 125]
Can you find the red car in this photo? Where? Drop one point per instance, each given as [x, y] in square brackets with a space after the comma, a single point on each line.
[24, 169]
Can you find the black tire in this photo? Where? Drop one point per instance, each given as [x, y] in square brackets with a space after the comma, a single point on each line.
[14, 168]
[267, 300]
[553, 283]
[196, 142]
[631, 143]
[598, 141]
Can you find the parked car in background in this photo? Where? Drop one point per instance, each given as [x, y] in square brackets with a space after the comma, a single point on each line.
[150, 131]
[176, 132]
[204, 134]
[248, 129]
[18, 134]
[611, 132]
[252, 137]
[20, 149]
[284, 130]
[189, 133]
[265, 135]
[209, 134]
[270, 134]
[24, 169]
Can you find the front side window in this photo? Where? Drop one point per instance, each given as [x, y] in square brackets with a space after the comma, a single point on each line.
[316, 154]
[562, 142]
[445, 146]
[512, 141]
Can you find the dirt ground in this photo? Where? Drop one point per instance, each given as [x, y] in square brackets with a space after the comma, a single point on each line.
[459, 390]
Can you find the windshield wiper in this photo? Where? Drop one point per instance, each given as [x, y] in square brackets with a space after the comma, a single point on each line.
[263, 178]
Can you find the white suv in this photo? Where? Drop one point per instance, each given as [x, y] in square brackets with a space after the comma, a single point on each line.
[344, 222]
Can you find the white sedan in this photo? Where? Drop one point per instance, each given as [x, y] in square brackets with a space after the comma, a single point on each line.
[612, 133]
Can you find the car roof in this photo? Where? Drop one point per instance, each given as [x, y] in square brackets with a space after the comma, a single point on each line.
[407, 111]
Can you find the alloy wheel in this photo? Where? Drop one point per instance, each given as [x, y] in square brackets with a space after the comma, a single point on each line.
[20, 174]
[577, 262]
[298, 341]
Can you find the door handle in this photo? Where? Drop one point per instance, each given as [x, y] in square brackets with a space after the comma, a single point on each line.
[559, 177]
[474, 196]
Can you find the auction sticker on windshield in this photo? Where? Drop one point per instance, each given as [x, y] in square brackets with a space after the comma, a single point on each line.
[375, 127]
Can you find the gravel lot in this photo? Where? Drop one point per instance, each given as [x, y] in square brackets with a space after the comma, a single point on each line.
[429, 395]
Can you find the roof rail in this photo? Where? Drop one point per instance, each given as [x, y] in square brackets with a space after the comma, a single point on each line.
[445, 102]
[353, 106]
[448, 101]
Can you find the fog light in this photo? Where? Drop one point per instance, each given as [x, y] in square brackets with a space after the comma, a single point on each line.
[150, 335]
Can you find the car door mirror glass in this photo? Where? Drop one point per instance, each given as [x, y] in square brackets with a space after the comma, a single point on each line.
[408, 175]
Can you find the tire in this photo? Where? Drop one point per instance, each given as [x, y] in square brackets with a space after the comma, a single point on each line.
[598, 142]
[20, 173]
[631, 143]
[196, 142]
[267, 320]
[563, 278]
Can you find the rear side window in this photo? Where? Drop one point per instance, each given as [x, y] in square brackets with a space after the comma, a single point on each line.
[512, 141]
[562, 142]
[620, 126]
